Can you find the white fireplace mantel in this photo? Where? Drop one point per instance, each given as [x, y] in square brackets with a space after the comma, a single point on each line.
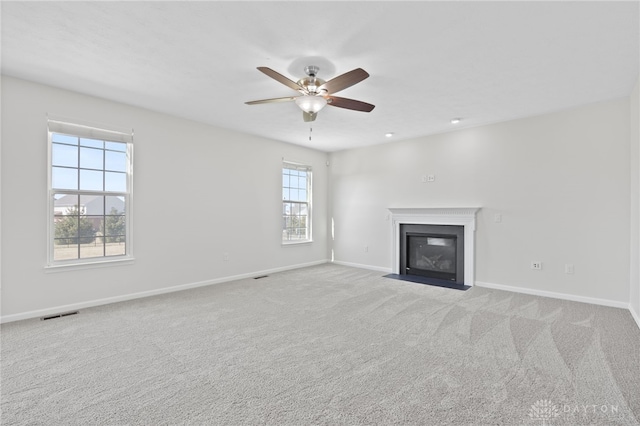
[461, 216]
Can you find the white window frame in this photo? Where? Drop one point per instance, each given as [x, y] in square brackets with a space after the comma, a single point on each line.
[308, 169]
[99, 132]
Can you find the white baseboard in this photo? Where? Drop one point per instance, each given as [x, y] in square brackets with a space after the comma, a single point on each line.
[554, 295]
[361, 266]
[533, 292]
[635, 315]
[132, 296]
[90, 303]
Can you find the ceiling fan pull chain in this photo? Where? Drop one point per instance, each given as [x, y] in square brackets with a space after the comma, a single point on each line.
[310, 130]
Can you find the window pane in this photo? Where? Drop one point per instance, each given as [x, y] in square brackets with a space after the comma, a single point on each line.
[91, 158]
[302, 194]
[64, 204]
[57, 137]
[63, 178]
[114, 181]
[115, 228]
[86, 233]
[92, 143]
[302, 182]
[287, 222]
[93, 249]
[115, 249]
[72, 225]
[285, 179]
[116, 146]
[285, 194]
[91, 180]
[66, 229]
[65, 249]
[97, 224]
[114, 205]
[64, 155]
[115, 161]
[92, 205]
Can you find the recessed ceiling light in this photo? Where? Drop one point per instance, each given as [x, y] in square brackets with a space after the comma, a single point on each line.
[389, 134]
[456, 120]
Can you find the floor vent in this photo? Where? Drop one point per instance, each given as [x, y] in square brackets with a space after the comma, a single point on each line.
[64, 314]
[261, 276]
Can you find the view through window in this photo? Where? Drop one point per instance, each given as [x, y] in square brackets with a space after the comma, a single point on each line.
[296, 203]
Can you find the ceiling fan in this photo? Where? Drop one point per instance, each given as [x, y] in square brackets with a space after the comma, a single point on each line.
[316, 93]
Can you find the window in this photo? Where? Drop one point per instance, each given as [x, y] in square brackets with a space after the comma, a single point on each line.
[296, 203]
[89, 194]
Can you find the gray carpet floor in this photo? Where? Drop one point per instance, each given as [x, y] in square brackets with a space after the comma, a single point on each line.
[325, 345]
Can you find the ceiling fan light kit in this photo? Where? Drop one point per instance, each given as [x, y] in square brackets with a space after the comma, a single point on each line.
[311, 104]
[316, 93]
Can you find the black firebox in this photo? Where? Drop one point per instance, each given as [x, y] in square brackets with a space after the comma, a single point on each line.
[432, 251]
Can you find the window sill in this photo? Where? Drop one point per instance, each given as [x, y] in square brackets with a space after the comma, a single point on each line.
[62, 267]
[296, 243]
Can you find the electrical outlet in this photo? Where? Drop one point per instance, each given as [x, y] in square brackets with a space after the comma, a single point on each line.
[431, 178]
[535, 264]
[424, 179]
[568, 268]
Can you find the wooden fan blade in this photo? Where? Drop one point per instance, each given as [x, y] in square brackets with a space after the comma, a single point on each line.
[271, 101]
[309, 116]
[345, 80]
[349, 104]
[282, 79]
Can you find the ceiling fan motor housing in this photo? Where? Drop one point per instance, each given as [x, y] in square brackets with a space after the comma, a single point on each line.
[311, 83]
[311, 70]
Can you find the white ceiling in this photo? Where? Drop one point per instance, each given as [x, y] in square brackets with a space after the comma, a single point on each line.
[429, 61]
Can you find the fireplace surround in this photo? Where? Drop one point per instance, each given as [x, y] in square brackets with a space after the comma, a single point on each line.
[464, 217]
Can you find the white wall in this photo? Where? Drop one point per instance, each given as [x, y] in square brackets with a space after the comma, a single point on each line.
[561, 182]
[199, 191]
[634, 294]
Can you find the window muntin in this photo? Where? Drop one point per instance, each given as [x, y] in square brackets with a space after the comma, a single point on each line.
[90, 195]
[296, 203]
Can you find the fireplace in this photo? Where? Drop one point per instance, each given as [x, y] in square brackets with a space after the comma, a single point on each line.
[432, 251]
[448, 230]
